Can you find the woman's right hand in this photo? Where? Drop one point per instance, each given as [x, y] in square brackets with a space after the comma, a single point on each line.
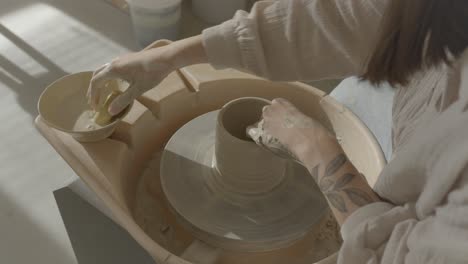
[286, 130]
[142, 70]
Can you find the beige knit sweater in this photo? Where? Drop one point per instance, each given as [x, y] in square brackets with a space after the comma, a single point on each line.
[426, 184]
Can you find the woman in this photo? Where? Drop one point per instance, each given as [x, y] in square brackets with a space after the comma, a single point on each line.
[418, 210]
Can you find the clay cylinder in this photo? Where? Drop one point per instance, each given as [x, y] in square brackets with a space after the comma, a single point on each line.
[243, 166]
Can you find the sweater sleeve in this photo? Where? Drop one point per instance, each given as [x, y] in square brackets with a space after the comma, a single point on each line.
[290, 40]
[382, 233]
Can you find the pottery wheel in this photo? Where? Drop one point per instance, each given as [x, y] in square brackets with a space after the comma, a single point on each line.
[230, 220]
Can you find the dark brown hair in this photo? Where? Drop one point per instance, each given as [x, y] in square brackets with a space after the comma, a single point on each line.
[415, 34]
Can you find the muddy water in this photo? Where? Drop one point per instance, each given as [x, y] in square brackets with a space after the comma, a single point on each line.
[85, 122]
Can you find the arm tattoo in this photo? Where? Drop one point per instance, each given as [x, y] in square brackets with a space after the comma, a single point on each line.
[337, 201]
[337, 191]
[357, 196]
[325, 184]
[341, 182]
[335, 164]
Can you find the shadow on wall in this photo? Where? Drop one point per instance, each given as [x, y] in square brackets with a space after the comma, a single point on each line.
[27, 87]
[98, 15]
[42, 41]
[102, 17]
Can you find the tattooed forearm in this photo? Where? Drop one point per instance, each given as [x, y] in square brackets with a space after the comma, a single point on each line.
[343, 189]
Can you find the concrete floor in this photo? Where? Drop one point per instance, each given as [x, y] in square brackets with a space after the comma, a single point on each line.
[40, 41]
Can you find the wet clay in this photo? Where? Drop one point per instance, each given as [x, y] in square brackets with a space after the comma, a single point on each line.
[257, 133]
[232, 194]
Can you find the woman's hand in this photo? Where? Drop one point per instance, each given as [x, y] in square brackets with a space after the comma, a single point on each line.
[305, 138]
[284, 126]
[144, 70]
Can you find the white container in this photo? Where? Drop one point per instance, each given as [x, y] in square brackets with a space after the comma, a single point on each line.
[217, 11]
[155, 19]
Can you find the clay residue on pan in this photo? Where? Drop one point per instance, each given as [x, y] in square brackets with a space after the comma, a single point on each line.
[152, 214]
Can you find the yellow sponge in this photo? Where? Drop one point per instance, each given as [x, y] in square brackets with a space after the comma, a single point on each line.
[102, 116]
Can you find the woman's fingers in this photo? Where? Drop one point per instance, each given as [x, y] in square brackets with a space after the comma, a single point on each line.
[122, 101]
[281, 101]
[100, 77]
[278, 107]
[284, 105]
[90, 87]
